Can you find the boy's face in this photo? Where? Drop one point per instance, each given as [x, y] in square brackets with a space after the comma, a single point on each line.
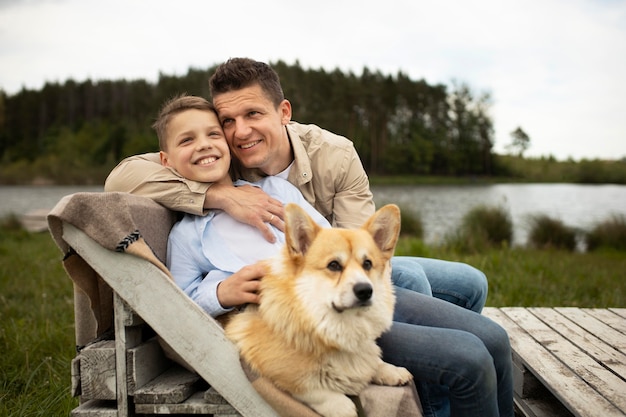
[255, 128]
[196, 147]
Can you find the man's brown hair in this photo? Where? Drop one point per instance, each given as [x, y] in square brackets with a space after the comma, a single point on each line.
[174, 106]
[238, 73]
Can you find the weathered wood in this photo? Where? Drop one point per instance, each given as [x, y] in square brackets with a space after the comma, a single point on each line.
[195, 404]
[95, 408]
[609, 317]
[565, 351]
[75, 376]
[171, 387]
[214, 397]
[124, 339]
[129, 317]
[144, 363]
[176, 318]
[595, 327]
[97, 371]
[596, 348]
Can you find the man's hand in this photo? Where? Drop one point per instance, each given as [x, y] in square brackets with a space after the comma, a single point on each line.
[249, 205]
[242, 287]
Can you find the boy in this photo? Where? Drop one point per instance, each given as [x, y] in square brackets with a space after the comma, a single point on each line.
[213, 258]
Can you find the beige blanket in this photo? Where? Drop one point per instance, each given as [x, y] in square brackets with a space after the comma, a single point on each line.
[137, 225]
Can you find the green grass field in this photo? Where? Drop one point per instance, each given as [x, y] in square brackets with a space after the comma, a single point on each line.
[36, 313]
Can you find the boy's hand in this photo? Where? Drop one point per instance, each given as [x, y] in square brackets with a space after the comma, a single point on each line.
[249, 205]
[242, 287]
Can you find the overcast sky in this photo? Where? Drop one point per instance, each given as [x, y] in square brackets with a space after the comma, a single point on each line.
[556, 68]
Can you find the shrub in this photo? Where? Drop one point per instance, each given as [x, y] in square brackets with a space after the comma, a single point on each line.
[482, 227]
[411, 224]
[547, 232]
[610, 233]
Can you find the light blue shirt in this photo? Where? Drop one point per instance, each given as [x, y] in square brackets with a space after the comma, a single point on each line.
[202, 251]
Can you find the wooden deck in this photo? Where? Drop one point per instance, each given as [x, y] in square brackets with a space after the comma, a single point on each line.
[567, 361]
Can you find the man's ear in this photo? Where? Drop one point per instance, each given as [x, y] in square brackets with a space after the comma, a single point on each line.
[284, 108]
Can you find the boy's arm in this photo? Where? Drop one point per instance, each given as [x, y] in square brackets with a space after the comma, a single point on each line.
[144, 175]
[216, 292]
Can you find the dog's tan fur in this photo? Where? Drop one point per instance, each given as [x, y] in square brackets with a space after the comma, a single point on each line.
[311, 334]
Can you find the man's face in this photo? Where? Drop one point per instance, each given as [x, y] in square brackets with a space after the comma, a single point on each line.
[196, 147]
[255, 128]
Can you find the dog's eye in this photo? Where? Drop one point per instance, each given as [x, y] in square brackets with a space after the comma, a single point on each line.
[334, 266]
[367, 264]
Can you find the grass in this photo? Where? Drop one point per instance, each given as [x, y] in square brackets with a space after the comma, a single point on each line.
[36, 327]
[543, 278]
[36, 311]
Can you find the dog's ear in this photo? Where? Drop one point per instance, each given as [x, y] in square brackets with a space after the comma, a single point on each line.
[384, 226]
[300, 229]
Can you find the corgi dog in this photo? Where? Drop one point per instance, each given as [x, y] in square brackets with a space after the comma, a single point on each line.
[323, 303]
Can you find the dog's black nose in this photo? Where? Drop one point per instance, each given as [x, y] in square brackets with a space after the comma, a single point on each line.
[363, 291]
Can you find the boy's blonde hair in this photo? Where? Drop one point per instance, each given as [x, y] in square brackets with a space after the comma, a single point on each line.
[174, 106]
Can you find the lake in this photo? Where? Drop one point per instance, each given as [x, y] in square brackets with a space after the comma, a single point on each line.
[441, 207]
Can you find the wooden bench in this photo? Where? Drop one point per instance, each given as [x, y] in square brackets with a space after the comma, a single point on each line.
[567, 361]
[127, 308]
[112, 376]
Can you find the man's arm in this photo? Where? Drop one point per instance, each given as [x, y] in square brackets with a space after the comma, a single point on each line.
[353, 202]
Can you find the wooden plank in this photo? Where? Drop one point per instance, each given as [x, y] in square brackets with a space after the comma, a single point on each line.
[178, 320]
[172, 387]
[75, 376]
[619, 311]
[193, 405]
[97, 371]
[144, 363]
[584, 353]
[95, 408]
[121, 344]
[595, 326]
[610, 318]
[573, 392]
[596, 348]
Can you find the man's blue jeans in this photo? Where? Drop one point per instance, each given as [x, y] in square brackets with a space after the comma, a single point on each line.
[456, 282]
[444, 345]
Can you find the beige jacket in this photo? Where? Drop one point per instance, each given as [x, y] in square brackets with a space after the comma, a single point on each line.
[327, 170]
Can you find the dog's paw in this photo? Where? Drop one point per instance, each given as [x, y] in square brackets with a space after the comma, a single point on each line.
[391, 375]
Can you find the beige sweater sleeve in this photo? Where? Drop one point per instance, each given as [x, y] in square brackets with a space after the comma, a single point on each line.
[145, 176]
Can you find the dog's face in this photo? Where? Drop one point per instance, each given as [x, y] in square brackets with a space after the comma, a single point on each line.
[343, 275]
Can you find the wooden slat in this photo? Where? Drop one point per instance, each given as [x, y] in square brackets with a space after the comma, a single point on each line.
[619, 311]
[144, 363]
[572, 391]
[97, 371]
[95, 408]
[193, 405]
[123, 341]
[595, 326]
[595, 347]
[176, 318]
[172, 387]
[610, 318]
[588, 356]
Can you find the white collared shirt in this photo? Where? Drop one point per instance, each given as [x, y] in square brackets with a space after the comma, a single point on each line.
[202, 251]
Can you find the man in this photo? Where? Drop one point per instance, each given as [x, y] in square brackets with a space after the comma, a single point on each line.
[325, 167]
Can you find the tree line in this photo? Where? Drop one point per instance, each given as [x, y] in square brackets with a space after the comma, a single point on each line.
[70, 130]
